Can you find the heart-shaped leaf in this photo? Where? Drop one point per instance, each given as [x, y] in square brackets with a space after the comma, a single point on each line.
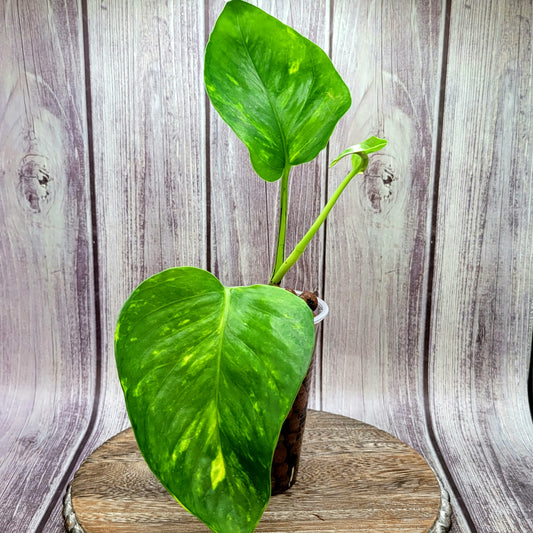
[277, 90]
[209, 374]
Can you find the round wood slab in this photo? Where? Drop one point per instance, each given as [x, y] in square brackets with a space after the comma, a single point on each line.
[352, 477]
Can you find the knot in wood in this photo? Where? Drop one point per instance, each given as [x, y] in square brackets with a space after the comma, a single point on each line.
[379, 185]
[34, 180]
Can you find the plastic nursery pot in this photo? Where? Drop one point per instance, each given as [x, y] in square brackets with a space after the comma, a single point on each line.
[287, 453]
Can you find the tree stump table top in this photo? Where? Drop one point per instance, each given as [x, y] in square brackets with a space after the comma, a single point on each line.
[352, 478]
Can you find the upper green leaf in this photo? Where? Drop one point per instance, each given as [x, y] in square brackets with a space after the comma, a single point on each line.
[277, 90]
[209, 374]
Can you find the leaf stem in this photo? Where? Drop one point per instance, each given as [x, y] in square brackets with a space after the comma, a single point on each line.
[299, 249]
[282, 224]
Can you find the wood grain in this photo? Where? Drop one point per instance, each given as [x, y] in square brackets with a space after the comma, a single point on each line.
[481, 326]
[352, 477]
[149, 153]
[46, 285]
[148, 130]
[377, 236]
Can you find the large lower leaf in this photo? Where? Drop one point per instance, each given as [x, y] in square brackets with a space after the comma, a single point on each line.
[209, 373]
[277, 90]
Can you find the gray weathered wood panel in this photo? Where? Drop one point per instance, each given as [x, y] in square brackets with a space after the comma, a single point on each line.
[430, 341]
[150, 206]
[149, 165]
[378, 237]
[47, 331]
[483, 283]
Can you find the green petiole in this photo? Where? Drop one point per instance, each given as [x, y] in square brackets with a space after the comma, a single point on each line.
[359, 164]
[359, 153]
[282, 224]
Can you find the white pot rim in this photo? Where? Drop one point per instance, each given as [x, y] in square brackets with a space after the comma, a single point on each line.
[322, 309]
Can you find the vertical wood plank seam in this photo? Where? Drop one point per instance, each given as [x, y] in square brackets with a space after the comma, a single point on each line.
[431, 269]
[268, 225]
[207, 115]
[69, 472]
[322, 281]
[530, 384]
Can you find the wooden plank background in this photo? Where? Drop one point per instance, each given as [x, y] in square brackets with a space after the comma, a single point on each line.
[113, 165]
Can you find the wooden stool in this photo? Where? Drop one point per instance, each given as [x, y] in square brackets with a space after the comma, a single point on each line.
[352, 477]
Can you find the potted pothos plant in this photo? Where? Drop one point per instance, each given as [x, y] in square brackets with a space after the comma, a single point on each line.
[210, 372]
